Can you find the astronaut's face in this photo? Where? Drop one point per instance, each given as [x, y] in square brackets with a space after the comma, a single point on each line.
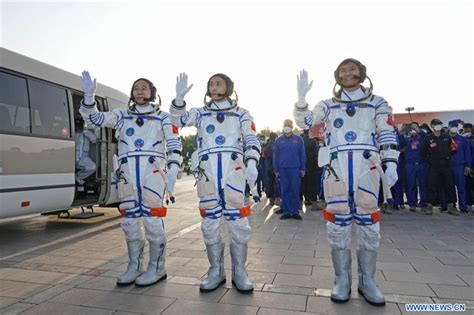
[217, 89]
[350, 75]
[141, 92]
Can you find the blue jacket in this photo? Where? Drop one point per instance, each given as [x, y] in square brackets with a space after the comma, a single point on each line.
[289, 152]
[412, 145]
[463, 153]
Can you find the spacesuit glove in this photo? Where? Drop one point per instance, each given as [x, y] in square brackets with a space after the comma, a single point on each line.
[391, 173]
[182, 88]
[251, 173]
[89, 87]
[171, 176]
[303, 88]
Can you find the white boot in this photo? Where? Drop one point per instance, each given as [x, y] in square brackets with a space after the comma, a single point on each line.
[240, 279]
[341, 260]
[366, 260]
[156, 270]
[216, 273]
[135, 263]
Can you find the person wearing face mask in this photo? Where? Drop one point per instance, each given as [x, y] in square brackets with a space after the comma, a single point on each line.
[149, 156]
[289, 164]
[228, 153]
[360, 137]
[437, 149]
[467, 127]
[415, 167]
[460, 164]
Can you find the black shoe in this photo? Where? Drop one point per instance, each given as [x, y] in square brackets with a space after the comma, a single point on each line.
[297, 217]
[279, 211]
[285, 216]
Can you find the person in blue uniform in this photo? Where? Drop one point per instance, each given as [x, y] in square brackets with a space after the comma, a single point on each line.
[415, 167]
[289, 163]
[467, 133]
[460, 163]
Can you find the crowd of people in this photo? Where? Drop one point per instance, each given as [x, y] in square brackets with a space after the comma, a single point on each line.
[428, 175]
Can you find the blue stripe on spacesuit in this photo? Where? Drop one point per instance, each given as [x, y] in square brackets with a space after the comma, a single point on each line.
[368, 191]
[119, 122]
[184, 118]
[382, 102]
[363, 219]
[208, 200]
[157, 142]
[353, 104]
[219, 179]
[233, 188]
[350, 162]
[123, 141]
[149, 189]
[382, 113]
[232, 215]
[337, 201]
[137, 175]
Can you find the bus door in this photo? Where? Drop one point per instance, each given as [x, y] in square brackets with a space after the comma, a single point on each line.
[91, 148]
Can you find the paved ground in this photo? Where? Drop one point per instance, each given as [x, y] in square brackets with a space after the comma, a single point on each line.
[60, 266]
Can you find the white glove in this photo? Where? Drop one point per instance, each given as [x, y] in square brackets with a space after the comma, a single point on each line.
[171, 176]
[251, 173]
[89, 87]
[182, 88]
[303, 87]
[391, 173]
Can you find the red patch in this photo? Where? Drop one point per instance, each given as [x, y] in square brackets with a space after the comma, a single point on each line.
[175, 130]
[253, 127]
[390, 120]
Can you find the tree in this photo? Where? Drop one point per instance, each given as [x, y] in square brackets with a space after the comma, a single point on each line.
[189, 146]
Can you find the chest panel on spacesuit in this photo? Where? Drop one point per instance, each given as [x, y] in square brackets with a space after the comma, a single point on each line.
[219, 130]
[146, 139]
[351, 123]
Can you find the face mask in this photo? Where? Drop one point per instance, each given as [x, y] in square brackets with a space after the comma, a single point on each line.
[437, 127]
[287, 130]
[467, 134]
[453, 129]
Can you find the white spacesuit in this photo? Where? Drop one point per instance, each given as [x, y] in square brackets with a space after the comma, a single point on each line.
[84, 163]
[147, 144]
[360, 135]
[223, 166]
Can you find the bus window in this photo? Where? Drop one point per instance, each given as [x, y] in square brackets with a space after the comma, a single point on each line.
[50, 110]
[14, 113]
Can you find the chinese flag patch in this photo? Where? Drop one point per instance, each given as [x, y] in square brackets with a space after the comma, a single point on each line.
[390, 120]
[253, 127]
[175, 130]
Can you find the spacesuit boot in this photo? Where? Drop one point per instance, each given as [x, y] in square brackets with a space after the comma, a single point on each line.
[240, 279]
[216, 273]
[366, 260]
[156, 267]
[341, 260]
[135, 264]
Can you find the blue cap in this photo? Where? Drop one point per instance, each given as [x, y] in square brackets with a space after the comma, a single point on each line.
[453, 122]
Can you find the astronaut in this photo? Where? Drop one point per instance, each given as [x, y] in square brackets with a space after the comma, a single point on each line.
[84, 163]
[360, 136]
[147, 144]
[227, 156]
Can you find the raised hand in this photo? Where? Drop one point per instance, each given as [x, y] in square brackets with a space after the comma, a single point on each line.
[303, 87]
[182, 87]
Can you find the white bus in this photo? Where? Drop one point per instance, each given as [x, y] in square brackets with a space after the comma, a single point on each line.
[39, 107]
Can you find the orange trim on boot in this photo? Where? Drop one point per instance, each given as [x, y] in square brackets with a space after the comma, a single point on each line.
[329, 216]
[375, 216]
[245, 211]
[202, 212]
[158, 212]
